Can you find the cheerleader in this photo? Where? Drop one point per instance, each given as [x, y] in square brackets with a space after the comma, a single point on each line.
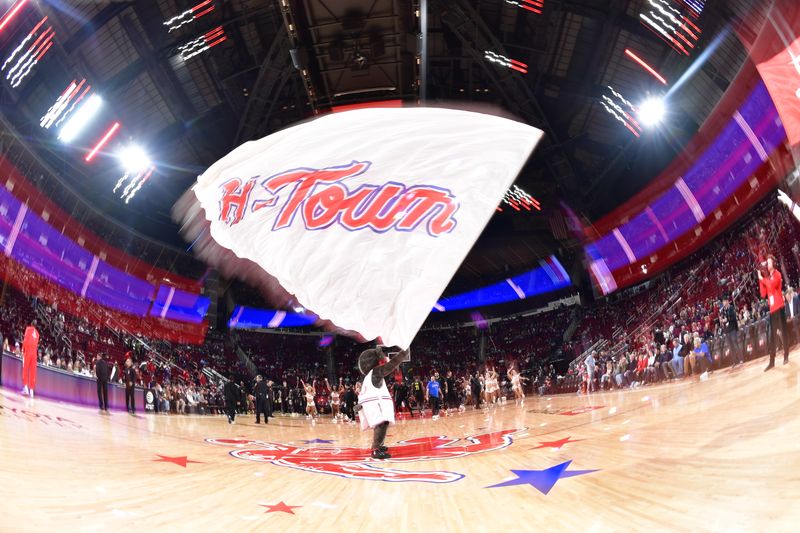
[491, 386]
[311, 407]
[335, 401]
[516, 385]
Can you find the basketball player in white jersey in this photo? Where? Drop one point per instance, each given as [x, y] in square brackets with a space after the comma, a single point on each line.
[376, 407]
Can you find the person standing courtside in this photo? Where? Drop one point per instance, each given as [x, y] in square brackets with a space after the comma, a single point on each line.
[101, 372]
[30, 352]
[771, 287]
[434, 396]
[730, 324]
[231, 393]
[129, 377]
[590, 366]
[475, 386]
[260, 392]
[270, 398]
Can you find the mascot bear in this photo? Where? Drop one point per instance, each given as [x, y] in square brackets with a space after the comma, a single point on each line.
[375, 405]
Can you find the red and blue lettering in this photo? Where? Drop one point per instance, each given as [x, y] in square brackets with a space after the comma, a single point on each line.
[320, 197]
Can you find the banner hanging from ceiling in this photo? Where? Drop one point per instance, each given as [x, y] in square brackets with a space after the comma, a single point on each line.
[363, 216]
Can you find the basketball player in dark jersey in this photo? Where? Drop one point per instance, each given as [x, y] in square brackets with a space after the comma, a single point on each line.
[418, 392]
[451, 392]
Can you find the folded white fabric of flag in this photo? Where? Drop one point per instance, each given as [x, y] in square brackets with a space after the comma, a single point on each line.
[366, 215]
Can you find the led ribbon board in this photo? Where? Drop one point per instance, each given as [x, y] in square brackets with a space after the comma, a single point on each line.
[740, 149]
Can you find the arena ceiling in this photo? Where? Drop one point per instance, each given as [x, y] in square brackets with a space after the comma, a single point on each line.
[283, 61]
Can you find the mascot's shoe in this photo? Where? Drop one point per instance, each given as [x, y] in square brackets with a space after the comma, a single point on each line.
[383, 448]
[378, 453]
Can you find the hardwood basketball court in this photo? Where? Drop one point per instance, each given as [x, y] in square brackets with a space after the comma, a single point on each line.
[719, 455]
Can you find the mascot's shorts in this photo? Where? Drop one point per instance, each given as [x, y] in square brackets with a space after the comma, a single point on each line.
[376, 411]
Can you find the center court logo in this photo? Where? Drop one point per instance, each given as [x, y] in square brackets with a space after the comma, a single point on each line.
[356, 463]
[320, 197]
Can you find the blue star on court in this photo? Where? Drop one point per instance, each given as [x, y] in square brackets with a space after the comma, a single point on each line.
[542, 480]
[317, 441]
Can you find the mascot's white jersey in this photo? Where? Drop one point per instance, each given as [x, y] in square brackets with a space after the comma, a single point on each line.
[376, 404]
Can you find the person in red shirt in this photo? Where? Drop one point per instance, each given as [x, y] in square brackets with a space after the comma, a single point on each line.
[771, 287]
[30, 350]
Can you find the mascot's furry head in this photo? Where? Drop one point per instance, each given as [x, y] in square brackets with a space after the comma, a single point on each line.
[369, 359]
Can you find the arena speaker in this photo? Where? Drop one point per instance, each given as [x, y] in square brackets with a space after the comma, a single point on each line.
[299, 58]
[336, 51]
[353, 20]
[377, 48]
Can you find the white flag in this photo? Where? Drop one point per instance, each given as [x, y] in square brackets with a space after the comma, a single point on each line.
[364, 216]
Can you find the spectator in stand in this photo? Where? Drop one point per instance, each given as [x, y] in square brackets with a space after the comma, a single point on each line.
[191, 400]
[792, 303]
[633, 365]
[641, 368]
[664, 358]
[681, 351]
[167, 400]
[771, 287]
[730, 330]
[653, 370]
[180, 400]
[202, 403]
[621, 369]
[606, 378]
[658, 335]
[697, 361]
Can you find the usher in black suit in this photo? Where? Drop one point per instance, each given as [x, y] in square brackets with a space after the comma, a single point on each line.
[101, 371]
[129, 377]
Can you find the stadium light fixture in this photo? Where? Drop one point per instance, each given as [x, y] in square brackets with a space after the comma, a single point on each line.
[11, 14]
[645, 66]
[82, 117]
[652, 111]
[133, 159]
[97, 147]
[622, 110]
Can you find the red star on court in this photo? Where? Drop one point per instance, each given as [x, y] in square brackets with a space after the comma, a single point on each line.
[557, 444]
[279, 508]
[180, 461]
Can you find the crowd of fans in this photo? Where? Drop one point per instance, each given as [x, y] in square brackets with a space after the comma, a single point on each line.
[48, 184]
[665, 329]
